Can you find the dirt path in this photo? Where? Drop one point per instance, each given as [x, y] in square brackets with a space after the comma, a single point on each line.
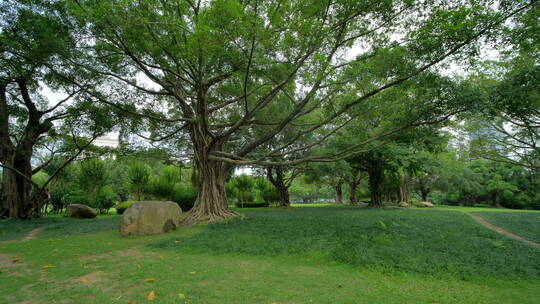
[502, 231]
[31, 235]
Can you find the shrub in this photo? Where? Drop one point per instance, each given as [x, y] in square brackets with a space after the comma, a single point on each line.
[76, 196]
[482, 205]
[252, 204]
[161, 187]
[269, 194]
[184, 195]
[92, 176]
[121, 207]
[104, 199]
[139, 176]
[243, 187]
[58, 194]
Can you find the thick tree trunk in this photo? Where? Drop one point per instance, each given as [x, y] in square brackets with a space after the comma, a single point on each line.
[284, 199]
[403, 189]
[375, 188]
[211, 203]
[339, 193]
[424, 194]
[352, 195]
[495, 201]
[278, 181]
[400, 194]
[17, 201]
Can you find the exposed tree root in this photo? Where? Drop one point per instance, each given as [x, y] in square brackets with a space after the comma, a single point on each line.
[199, 216]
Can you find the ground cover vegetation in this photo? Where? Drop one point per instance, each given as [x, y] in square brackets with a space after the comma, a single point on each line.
[382, 255]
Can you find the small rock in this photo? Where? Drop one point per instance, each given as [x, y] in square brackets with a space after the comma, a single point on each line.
[80, 211]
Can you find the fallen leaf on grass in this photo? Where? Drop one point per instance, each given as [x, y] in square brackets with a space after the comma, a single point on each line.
[131, 301]
[151, 296]
[150, 280]
[47, 266]
[181, 296]
[84, 280]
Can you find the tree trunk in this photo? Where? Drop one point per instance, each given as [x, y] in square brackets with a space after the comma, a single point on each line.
[353, 200]
[424, 194]
[495, 201]
[284, 200]
[375, 188]
[211, 203]
[339, 193]
[17, 201]
[278, 181]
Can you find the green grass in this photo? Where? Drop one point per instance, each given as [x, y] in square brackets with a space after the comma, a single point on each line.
[439, 243]
[301, 255]
[525, 224]
[56, 226]
[483, 209]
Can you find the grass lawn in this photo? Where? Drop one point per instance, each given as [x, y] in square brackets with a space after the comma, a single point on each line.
[56, 226]
[525, 224]
[300, 255]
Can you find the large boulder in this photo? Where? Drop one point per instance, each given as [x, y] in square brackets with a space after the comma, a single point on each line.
[424, 204]
[80, 211]
[150, 217]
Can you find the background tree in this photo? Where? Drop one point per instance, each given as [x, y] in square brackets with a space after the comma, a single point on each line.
[139, 176]
[282, 179]
[36, 41]
[216, 66]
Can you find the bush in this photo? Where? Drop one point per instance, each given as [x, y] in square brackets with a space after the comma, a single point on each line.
[76, 196]
[138, 176]
[92, 176]
[482, 205]
[184, 195]
[104, 199]
[121, 207]
[269, 194]
[252, 204]
[161, 187]
[58, 194]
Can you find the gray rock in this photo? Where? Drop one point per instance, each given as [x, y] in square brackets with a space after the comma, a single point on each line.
[150, 217]
[80, 211]
[424, 204]
[403, 204]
